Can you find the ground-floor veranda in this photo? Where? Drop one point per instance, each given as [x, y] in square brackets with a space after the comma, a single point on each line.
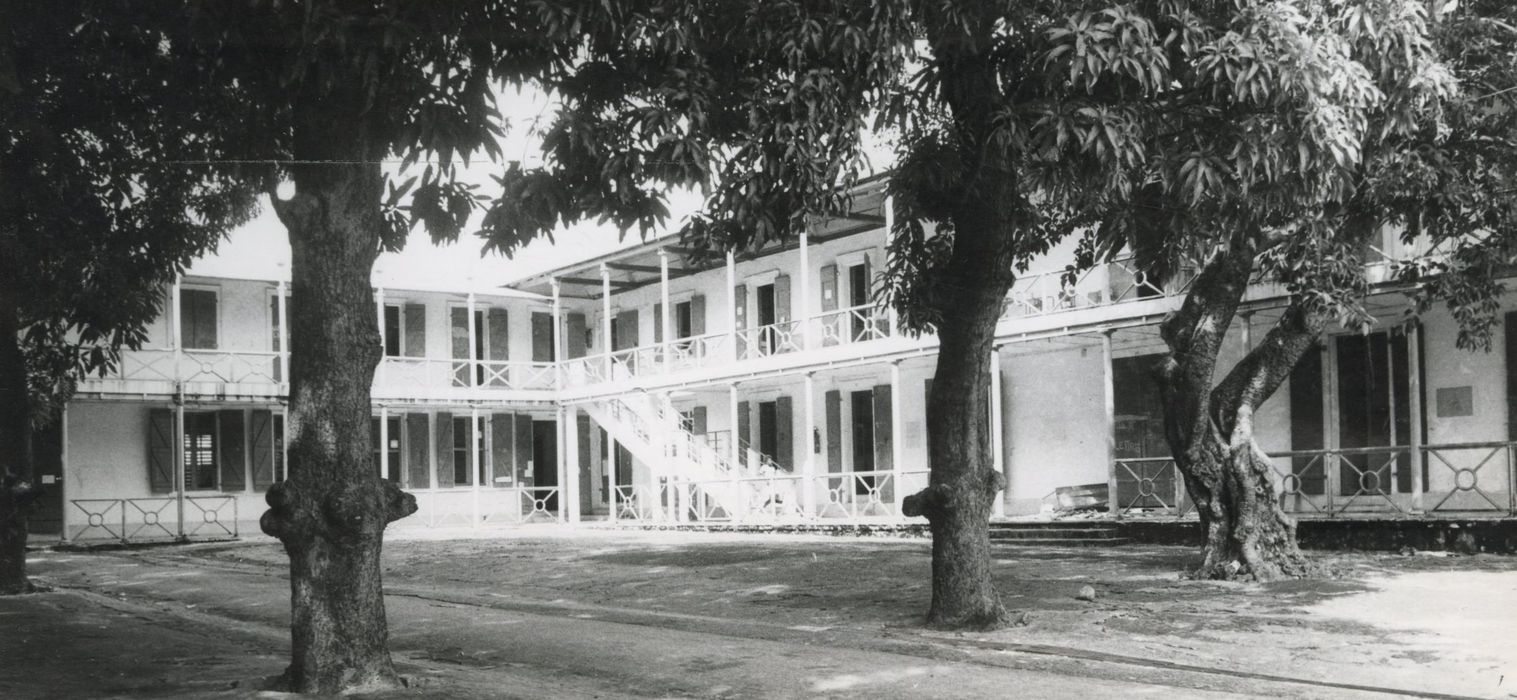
[1395, 421]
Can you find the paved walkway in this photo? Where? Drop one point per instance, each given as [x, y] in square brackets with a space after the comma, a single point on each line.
[615, 615]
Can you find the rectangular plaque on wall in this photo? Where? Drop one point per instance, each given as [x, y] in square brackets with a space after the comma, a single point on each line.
[1455, 401]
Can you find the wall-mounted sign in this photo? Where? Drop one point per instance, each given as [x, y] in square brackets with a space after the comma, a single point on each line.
[1455, 401]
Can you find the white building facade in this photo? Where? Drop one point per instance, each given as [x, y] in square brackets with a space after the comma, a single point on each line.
[765, 388]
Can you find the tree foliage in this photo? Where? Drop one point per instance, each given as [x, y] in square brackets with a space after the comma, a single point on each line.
[762, 106]
[106, 188]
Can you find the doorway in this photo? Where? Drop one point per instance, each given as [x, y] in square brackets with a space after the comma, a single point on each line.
[46, 517]
[1374, 410]
[1345, 401]
[766, 320]
[545, 459]
[861, 404]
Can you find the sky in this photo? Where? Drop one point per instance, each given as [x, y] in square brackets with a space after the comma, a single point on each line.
[260, 249]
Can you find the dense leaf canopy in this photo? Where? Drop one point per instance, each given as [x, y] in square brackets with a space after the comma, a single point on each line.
[105, 185]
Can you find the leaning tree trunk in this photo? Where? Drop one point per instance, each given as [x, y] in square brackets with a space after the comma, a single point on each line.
[963, 482]
[332, 512]
[1211, 429]
[17, 490]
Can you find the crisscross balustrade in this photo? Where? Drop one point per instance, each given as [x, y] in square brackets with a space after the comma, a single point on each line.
[582, 371]
[148, 365]
[1150, 484]
[1051, 291]
[517, 375]
[1459, 478]
[1469, 477]
[154, 518]
[414, 374]
[859, 494]
[227, 367]
[104, 518]
[853, 325]
[773, 339]
[696, 352]
[633, 503]
[214, 516]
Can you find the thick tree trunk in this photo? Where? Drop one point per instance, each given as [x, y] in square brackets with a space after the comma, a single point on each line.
[988, 226]
[963, 482]
[1210, 430]
[332, 512]
[17, 490]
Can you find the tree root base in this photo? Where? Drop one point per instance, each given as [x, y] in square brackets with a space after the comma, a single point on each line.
[1234, 570]
[983, 621]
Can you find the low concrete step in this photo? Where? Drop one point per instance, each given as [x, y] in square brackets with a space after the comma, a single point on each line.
[1053, 533]
[1060, 542]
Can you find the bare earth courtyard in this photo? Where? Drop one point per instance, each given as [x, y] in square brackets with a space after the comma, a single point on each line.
[546, 612]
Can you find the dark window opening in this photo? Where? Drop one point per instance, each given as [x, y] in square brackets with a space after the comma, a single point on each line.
[200, 450]
[392, 330]
[463, 460]
[683, 328]
[768, 340]
[858, 295]
[862, 403]
[768, 425]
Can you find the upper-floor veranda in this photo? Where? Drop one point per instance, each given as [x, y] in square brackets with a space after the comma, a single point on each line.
[598, 326]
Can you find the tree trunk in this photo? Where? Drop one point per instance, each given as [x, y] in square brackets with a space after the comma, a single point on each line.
[332, 512]
[17, 490]
[988, 228]
[963, 481]
[1210, 429]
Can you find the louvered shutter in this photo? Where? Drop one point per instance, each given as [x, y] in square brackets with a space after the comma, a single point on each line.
[160, 450]
[261, 439]
[416, 330]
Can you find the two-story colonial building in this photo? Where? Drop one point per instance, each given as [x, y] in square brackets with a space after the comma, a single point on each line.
[635, 386]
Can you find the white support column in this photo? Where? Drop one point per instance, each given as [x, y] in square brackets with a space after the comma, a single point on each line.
[563, 471]
[889, 207]
[605, 319]
[63, 472]
[475, 460]
[808, 467]
[1248, 331]
[179, 481]
[284, 333]
[284, 444]
[473, 368]
[732, 310]
[803, 309]
[571, 457]
[608, 447]
[897, 440]
[1414, 384]
[176, 330]
[667, 319]
[558, 322]
[735, 453]
[1331, 467]
[384, 441]
[1109, 425]
[379, 315]
[997, 449]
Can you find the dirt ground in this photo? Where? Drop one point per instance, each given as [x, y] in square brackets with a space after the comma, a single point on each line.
[1434, 626]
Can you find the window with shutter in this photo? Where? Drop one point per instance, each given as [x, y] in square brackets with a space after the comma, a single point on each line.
[200, 465]
[197, 322]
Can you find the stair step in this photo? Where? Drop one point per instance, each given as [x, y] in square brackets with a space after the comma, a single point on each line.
[1054, 533]
[1061, 542]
